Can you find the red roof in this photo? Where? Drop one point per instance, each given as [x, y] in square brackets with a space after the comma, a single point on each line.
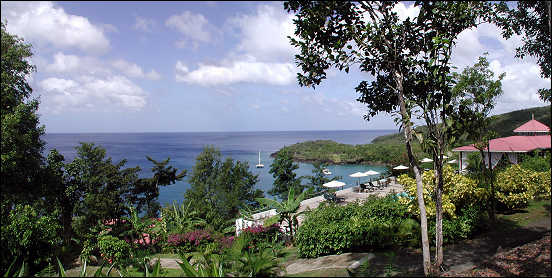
[532, 126]
[514, 144]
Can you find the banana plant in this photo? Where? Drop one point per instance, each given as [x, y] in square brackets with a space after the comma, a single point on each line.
[286, 209]
[208, 266]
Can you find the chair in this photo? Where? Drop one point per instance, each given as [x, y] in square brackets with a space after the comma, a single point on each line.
[331, 197]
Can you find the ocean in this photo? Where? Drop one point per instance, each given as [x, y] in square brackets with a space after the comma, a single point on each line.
[183, 147]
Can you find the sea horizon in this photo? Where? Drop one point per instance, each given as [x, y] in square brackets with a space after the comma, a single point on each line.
[184, 147]
[233, 131]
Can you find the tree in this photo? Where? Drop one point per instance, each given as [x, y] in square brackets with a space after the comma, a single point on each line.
[474, 96]
[103, 189]
[21, 146]
[315, 182]
[532, 20]
[147, 190]
[409, 59]
[220, 189]
[284, 178]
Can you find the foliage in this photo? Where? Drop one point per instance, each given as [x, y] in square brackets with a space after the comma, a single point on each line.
[258, 236]
[316, 181]
[459, 191]
[102, 187]
[531, 19]
[461, 227]
[147, 190]
[535, 162]
[286, 209]
[190, 241]
[180, 218]
[208, 266]
[114, 250]
[327, 151]
[220, 189]
[516, 186]
[284, 178]
[21, 146]
[29, 236]
[376, 223]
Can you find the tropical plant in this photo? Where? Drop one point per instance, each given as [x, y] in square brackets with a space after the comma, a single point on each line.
[181, 218]
[286, 209]
[282, 169]
[207, 266]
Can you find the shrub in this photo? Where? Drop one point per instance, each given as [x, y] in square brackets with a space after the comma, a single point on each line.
[459, 228]
[114, 250]
[376, 223]
[536, 163]
[259, 234]
[30, 237]
[190, 241]
[515, 186]
[459, 191]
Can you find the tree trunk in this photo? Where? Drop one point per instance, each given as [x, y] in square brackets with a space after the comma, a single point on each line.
[493, 204]
[419, 185]
[438, 216]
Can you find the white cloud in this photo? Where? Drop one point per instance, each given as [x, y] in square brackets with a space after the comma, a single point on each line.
[45, 22]
[133, 70]
[334, 106]
[264, 34]
[195, 28]
[90, 92]
[236, 72]
[404, 12]
[144, 24]
[75, 65]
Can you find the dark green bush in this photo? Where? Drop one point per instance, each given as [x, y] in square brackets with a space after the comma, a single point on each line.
[376, 223]
[459, 228]
[536, 162]
[30, 237]
[114, 250]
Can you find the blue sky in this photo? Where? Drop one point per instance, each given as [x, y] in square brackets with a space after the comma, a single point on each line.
[208, 66]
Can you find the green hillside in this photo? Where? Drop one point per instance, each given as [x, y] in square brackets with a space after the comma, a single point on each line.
[390, 150]
[503, 124]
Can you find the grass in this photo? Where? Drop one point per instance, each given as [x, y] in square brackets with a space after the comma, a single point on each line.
[535, 211]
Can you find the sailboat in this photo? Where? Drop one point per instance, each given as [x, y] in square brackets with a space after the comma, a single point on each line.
[259, 165]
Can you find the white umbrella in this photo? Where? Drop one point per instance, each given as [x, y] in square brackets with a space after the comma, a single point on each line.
[426, 160]
[452, 161]
[400, 167]
[333, 184]
[445, 157]
[358, 175]
[371, 173]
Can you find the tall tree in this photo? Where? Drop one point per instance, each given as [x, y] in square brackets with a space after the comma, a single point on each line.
[282, 169]
[409, 59]
[532, 20]
[21, 146]
[220, 189]
[474, 97]
[146, 190]
[102, 187]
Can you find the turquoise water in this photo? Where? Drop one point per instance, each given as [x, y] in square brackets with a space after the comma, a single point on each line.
[183, 148]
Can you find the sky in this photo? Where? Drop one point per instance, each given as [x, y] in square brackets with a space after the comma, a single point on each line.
[209, 66]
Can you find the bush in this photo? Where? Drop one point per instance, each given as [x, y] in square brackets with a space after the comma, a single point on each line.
[515, 186]
[459, 191]
[536, 163]
[30, 237]
[376, 223]
[190, 241]
[114, 250]
[459, 228]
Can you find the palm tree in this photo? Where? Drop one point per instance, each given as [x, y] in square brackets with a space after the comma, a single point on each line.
[286, 209]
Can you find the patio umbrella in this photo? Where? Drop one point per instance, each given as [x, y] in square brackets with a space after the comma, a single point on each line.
[400, 167]
[445, 157]
[358, 175]
[426, 160]
[333, 184]
[452, 161]
[371, 173]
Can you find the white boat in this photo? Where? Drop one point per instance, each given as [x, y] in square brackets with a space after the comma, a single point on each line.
[259, 165]
[326, 171]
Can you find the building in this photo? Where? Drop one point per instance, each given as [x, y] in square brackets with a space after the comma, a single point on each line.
[533, 135]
